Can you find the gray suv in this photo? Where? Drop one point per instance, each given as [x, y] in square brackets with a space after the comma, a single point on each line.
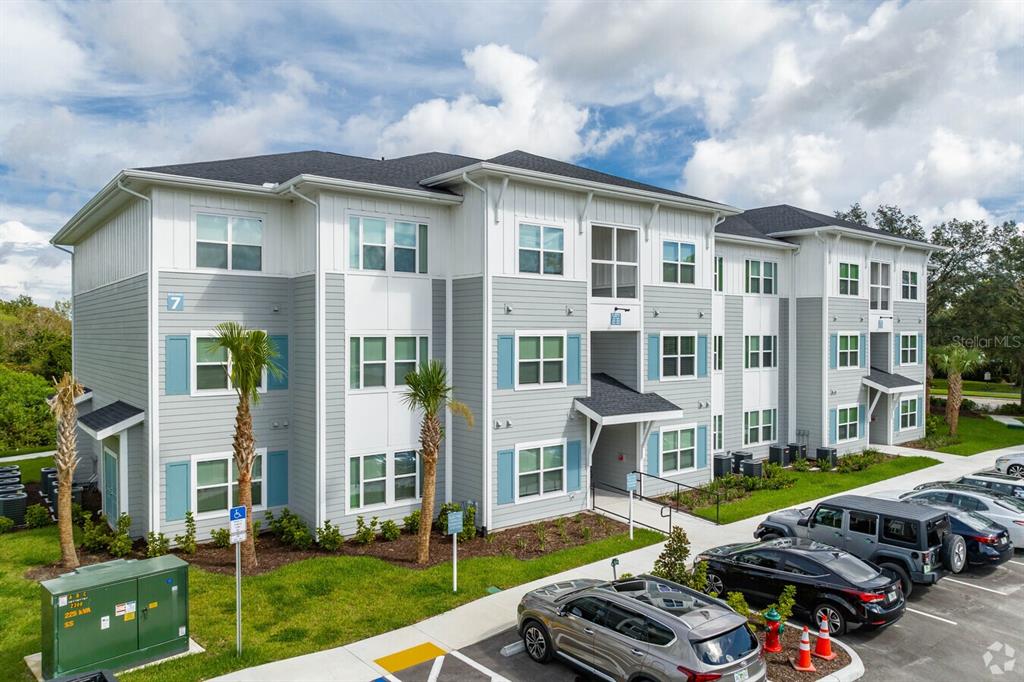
[910, 542]
[639, 629]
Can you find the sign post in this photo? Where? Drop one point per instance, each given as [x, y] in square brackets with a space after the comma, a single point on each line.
[238, 529]
[631, 486]
[454, 528]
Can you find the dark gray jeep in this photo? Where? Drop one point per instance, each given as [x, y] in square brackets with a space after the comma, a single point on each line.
[910, 542]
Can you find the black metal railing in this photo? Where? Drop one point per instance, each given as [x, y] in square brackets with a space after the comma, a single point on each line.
[594, 485]
[674, 496]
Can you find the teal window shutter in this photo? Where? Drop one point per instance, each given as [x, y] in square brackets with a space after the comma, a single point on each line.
[506, 476]
[281, 361]
[862, 413]
[574, 466]
[920, 412]
[654, 454]
[863, 351]
[833, 351]
[574, 362]
[896, 416]
[702, 446]
[920, 349]
[176, 365]
[833, 426]
[895, 349]
[506, 361]
[178, 491]
[702, 356]
[277, 479]
[653, 357]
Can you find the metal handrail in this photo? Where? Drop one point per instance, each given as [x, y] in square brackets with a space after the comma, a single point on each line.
[679, 485]
[594, 485]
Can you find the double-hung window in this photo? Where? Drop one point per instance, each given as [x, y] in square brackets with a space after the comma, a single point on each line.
[410, 353]
[719, 273]
[759, 426]
[753, 354]
[678, 356]
[761, 277]
[678, 450]
[908, 413]
[909, 285]
[541, 360]
[848, 423]
[719, 352]
[880, 292]
[678, 263]
[384, 478]
[368, 362]
[410, 247]
[761, 352]
[212, 366]
[368, 248]
[716, 431]
[849, 279]
[908, 349]
[614, 262]
[849, 351]
[229, 242]
[541, 249]
[216, 483]
[540, 470]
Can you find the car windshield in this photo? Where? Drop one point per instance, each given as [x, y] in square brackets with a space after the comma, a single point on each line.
[727, 647]
[849, 567]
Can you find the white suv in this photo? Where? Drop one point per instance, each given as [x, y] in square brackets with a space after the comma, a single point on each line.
[1005, 510]
[994, 481]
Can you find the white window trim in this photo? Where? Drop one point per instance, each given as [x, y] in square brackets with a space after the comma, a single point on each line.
[389, 232]
[760, 277]
[680, 264]
[760, 426]
[717, 355]
[916, 285]
[717, 432]
[840, 279]
[389, 363]
[761, 352]
[913, 399]
[389, 245]
[194, 483]
[839, 351]
[856, 422]
[661, 448]
[565, 358]
[566, 252]
[194, 364]
[613, 263]
[718, 270]
[917, 350]
[881, 286]
[564, 442]
[389, 479]
[194, 229]
[696, 352]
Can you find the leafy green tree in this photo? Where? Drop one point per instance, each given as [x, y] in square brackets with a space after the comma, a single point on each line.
[35, 339]
[893, 219]
[25, 418]
[855, 214]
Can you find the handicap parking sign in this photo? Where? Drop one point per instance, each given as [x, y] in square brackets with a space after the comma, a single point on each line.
[454, 522]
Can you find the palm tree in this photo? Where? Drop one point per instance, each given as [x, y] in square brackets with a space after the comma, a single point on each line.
[956, 360]
[250, 354]
[62, 405]
[428, 390]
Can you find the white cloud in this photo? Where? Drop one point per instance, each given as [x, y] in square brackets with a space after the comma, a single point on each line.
[38, 57]
[29, 265]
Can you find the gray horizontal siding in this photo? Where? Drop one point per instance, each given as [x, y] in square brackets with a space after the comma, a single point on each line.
[302, 387]
[335, 371]
[617, 354]
[846, 386]
[439, 298]
[911, 318]
[881, 349]
[809, 359]
[679, 310]
[467, 376]
[782, 425]
[732, 366]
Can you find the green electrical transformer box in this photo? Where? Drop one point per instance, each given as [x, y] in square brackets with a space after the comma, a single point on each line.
[114, 615]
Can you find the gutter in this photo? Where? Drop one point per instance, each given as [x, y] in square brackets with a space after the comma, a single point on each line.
[754, 241]
[869, 236]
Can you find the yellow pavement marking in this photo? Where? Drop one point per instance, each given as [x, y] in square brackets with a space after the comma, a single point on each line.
[407, 658]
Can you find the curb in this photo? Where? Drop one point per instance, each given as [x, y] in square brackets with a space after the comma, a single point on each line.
[854, 671]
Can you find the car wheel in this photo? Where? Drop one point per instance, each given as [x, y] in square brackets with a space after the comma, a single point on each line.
[900, 573]
[535, 639]
[955, 553]
[836, 619]
[716, 586]
[1015, 470]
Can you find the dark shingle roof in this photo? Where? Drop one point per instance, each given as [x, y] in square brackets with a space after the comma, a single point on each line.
[610, 397]
[883, 378]
[766, 222]
[109, 415]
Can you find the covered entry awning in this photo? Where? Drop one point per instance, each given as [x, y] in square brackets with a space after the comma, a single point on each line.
[111, 419]
[612, 402]
[891, 383]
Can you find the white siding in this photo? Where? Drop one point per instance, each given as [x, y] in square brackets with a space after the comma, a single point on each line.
[115, 250]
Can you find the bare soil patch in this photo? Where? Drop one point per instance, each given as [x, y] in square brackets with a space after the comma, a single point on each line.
[780, 670]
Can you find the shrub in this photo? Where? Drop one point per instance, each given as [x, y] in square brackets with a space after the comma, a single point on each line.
[77, 515]
[785, 604]
[6, 525]
[256, 525]
[366, 533]
[221, 537]
[468, 519]
[290, 529]
[671, 564]
[859, 461]
[120, 542]
[95, 534]
[801, 465]
[157, 544]
[738, 603]
[37, 516]
[411, 523]
[1009, 409]
[389, 530]
[329, 537]
[187, 542]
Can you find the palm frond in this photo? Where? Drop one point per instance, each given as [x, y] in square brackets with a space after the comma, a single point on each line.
[252, 353]
[427, 389]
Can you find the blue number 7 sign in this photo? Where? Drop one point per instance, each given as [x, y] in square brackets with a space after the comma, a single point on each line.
[176, 302]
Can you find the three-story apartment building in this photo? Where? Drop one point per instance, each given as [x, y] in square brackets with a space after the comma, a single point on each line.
[594, 325]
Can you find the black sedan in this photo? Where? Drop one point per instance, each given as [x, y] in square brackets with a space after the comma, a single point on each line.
[829, 582]
[988, 543]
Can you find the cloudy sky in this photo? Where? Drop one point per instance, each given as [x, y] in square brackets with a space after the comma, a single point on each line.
[816, 104]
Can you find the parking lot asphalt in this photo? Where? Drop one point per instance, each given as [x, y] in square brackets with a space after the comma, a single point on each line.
[944, 636]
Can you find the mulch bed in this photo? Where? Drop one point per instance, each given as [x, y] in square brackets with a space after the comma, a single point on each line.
[780, 670]
[523, 542]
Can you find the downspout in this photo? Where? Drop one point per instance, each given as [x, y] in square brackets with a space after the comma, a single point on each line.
[152, 358]
[321, 370]
[486, 420]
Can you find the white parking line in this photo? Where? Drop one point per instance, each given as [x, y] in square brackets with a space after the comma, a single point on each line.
[435, 669]
[1019, 563]
[922, 613]
[977, 587]
[495, 677]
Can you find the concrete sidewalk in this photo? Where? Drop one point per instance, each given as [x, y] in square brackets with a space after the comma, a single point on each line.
[487, 616]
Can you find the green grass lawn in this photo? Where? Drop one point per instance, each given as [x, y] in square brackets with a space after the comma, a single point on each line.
[980, 389]
[980, 434]
[30, 468]
[23, 451]
[300, 608]
[810, 485]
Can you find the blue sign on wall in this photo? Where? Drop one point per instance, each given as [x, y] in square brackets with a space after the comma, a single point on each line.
[175, 302]
[631, 481]
[616, 320]
[454, 522]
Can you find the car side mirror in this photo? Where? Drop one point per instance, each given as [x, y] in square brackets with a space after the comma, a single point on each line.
[805, 522]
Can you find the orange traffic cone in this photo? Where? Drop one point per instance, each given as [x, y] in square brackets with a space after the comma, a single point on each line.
[803, 661]
[823, 647]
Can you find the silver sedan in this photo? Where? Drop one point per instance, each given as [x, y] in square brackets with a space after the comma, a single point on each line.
[1012, 464]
